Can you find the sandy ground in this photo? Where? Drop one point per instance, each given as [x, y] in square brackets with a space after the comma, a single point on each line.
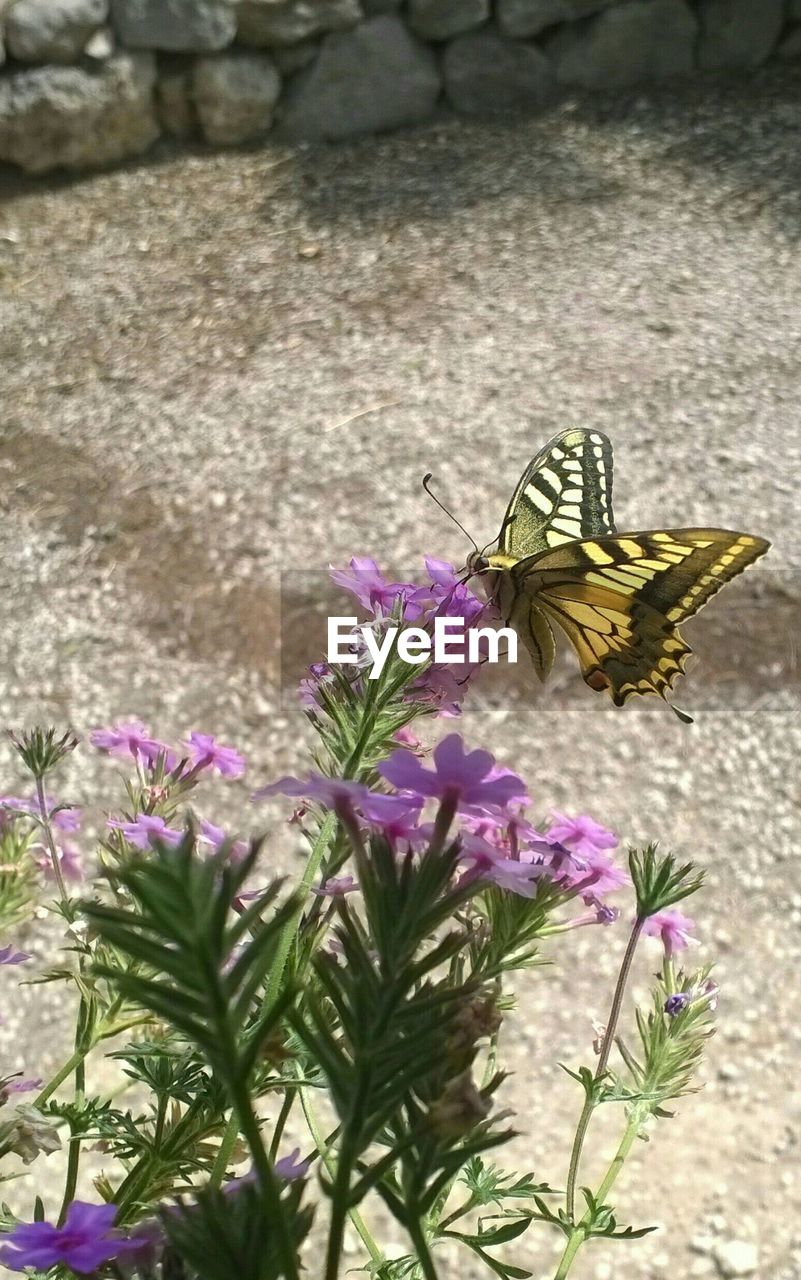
[223, 372]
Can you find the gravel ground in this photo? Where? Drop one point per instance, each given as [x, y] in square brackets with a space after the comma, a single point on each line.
[223, 372]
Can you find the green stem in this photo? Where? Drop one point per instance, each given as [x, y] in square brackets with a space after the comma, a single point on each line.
[444, 1195]
[276, 975]
[67, 1069]
[268, 1182]
[74, 1156]
[223, 1157]
[459, 1212]
[442, 822]
[579, 1234]
[280, 1124]
[618, 1160]
[161, 1116]
[324, 1150]
[51, 844]
[574, 1243]
[239, 1093]
[104, 1032]
[420, 1242]
[350, 1146]
[339, 1210]
[603, 1059]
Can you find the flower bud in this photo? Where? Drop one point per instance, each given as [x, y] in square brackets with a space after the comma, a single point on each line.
[460, 1108]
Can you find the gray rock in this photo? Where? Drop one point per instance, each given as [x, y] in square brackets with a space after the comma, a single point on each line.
[175, 102]
[790, 46]
[235, 95]
[373, 7]
[485, 74]
[52, 30]
[263, 23]
[376, 77]
[738, 33]
[736, 1258]
[53, 117]
[642, 40]
[294, 57]
[441, 19]
[522, 18]
[175, 26]
[100, 46]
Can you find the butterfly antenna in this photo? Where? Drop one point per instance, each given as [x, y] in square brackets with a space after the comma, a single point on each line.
[442, 507]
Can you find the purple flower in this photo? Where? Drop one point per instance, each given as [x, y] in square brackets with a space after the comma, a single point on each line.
[9, 955]
[709, 991]
[675, 1003]
[216, 837]
[512, 836]
[288, 1168]
[600, 915]
[291, 1167]
[67, 819]
[607, 876]
[501, 771]
[443, 686]
[565, 866]
[22, 1086]
[308, 690]
[131, 738]
[329, 792]
[367, 583]
[395, 816]
[144, 829]
[337, 888]
[140, 1251]
[463, 777]
[205, 753]
[307, 695]
[487, 863]
[672, 927]
[407, 738]
[69, 860]
[83, 1243]
[12, 807]
[582, 834]
[448, 596]
[596, 875]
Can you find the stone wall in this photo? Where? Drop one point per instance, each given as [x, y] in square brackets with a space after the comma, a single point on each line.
[86, 83]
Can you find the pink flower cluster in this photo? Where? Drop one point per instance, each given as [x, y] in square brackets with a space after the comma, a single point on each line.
[65, 820]
[201, 751]
[498, 843]
[201, 754]
[441, 685]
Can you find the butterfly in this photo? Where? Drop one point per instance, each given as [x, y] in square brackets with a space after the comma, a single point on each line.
[618, 597]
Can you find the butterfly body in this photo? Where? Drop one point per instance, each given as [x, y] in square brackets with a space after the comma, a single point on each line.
[619, 597]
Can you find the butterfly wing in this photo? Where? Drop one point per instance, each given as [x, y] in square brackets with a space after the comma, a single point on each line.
[620, 599]
[564, 494]
[531, 625]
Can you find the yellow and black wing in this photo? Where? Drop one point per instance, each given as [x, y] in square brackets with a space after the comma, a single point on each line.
[564, 494]
[620, 599]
